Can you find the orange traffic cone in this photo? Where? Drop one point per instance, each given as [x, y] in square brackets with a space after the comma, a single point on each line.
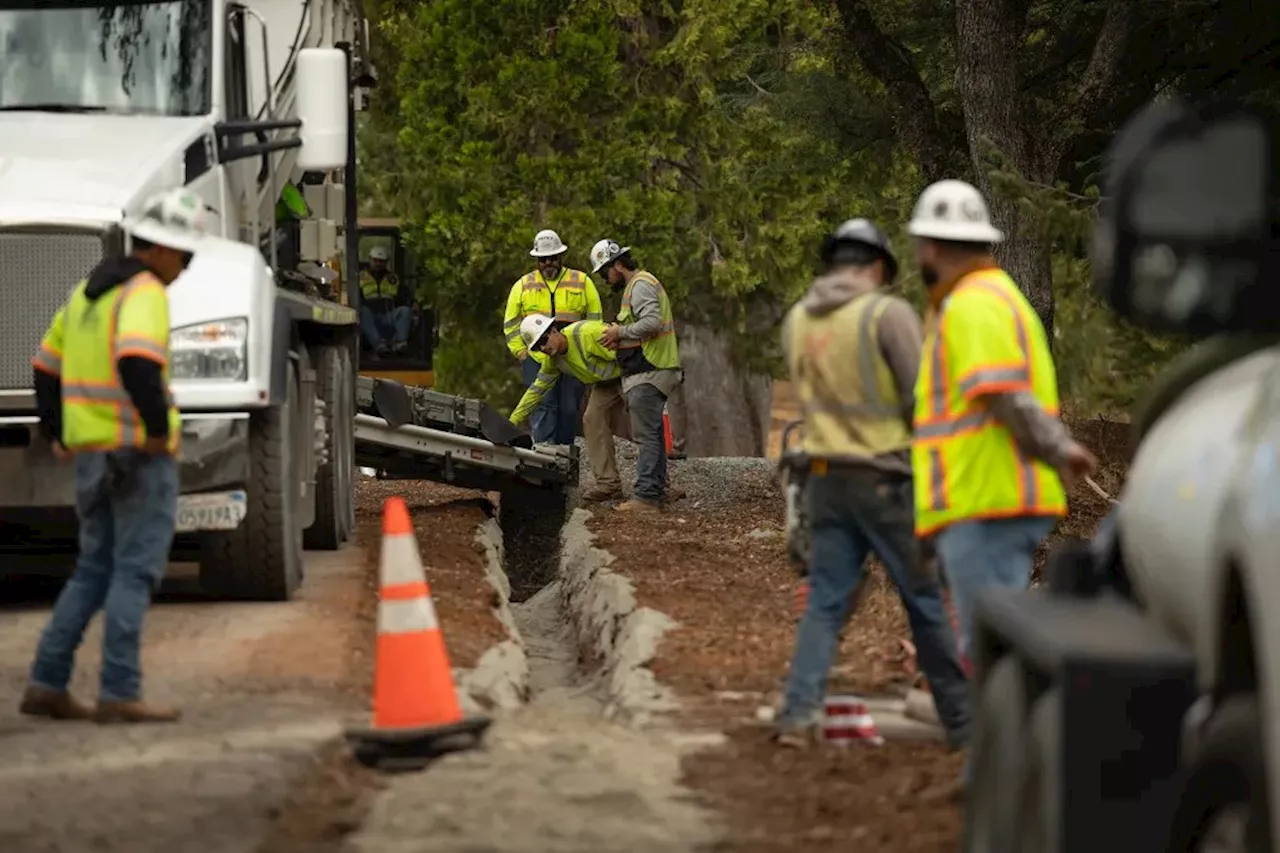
[667, 437]
[416, 713]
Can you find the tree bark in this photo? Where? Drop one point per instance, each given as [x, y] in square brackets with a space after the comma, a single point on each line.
[989, 38]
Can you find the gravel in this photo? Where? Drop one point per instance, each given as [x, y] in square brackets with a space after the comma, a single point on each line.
[715, 482]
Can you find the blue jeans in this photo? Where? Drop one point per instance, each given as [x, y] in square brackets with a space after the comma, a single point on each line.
[854, 512]
[555, 421]
[377, 326]
[645, 404]
[988, 554]
[124, 551]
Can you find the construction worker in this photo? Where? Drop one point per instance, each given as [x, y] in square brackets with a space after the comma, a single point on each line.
[571, 351]
[566, 295]
[990, 453]
[645, 340]
[101, 380]
[853, 352]
[386, 306]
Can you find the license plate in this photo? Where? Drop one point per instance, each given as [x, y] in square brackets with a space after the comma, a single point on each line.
[214, 511]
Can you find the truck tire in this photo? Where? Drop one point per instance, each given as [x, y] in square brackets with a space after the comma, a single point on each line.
[1226, 783]
[261, 560]
[334, 479]
[996, 760]
[531, 519]
[1039, 811]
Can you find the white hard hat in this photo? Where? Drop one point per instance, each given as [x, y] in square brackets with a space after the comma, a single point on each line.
[174, 219]
[534, 328]
[547, 244]
[953, 210]
[605, 251]
[379, 253]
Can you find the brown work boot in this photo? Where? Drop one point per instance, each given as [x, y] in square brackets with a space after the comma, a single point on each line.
[673, 494]
[54, 704]
[599, 494]
[136, 711]
[638, 506]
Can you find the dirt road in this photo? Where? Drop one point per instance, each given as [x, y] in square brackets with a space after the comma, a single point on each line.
[263, 686]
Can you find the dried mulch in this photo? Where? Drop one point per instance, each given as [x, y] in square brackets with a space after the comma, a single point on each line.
[445, 519]
[722, 574]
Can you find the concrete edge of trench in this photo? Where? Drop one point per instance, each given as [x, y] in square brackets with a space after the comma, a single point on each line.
[612, 630]
[500, 678]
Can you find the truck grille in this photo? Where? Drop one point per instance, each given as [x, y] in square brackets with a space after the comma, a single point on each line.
[37, 272]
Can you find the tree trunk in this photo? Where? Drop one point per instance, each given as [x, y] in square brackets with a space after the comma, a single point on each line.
[728, 409]
[988, 39]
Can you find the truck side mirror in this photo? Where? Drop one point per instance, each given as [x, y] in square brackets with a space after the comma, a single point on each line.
[322, 106]
[1184, 235]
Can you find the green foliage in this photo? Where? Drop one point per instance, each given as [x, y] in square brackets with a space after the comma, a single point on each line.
[722, 138]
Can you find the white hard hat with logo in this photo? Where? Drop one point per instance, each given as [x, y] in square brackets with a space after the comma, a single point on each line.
[953, 210]
[605, 252]
[547, 244]
[174, 219]
[379, 253]
[533, 329]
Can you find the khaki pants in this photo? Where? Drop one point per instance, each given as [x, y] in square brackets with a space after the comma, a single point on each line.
[605, 417]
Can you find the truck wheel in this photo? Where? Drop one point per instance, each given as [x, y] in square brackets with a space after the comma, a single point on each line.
[531, 519]
[334, 478]
[996, 758]
[1039, 812]
[1223, 804]
[261, 560]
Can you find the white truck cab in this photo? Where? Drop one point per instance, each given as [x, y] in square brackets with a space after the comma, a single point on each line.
[103, 104]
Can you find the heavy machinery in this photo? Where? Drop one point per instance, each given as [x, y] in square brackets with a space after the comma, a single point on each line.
[243, 103]
[414, 366]
[1132, 704]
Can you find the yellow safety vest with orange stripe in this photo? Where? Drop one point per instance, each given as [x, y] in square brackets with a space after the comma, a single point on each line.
[586, 359]
[570, 298]
[661, 350]
[85, 340]
[985, 339]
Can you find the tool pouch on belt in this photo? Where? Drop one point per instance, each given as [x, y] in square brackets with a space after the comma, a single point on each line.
[794, 473]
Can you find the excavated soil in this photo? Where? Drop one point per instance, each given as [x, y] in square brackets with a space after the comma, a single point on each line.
[445, 519]
[721, 572]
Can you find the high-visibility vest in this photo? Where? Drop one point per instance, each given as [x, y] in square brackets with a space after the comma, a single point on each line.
[570, 298]
[986, 338]
[586, 359]
[84, 342]
[850, 400]
[660, 351]
[371, 288]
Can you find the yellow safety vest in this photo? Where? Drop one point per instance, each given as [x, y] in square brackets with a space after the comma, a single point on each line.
[570, 298]
[986, 339]
[586, 358]
[84, 342]
[851, 404]
[371, 288]
[661, 350]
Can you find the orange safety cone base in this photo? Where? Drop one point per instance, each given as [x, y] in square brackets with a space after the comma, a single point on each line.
[396, 749]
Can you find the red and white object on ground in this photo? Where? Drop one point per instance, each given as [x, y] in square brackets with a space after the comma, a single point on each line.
[847, 720]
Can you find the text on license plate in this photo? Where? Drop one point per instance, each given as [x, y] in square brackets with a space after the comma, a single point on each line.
[211, 511]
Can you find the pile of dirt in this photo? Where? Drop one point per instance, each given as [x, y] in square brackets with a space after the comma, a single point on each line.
[445, 519]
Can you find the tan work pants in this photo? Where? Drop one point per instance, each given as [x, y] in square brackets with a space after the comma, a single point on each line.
[605, 417]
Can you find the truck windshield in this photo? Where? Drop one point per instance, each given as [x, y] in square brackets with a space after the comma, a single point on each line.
[127, 57]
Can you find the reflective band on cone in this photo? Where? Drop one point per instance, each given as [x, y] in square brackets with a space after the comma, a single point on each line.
[416, 712]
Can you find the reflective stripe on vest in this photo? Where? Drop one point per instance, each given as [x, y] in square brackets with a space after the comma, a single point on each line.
[371, 288]
[565, 300]
[847, 390]
[98, 413]
[661, 349]
[966, 464]
[586, 358]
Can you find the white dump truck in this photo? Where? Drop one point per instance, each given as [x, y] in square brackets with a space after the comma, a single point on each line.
[252, 106]
[1133, 703]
